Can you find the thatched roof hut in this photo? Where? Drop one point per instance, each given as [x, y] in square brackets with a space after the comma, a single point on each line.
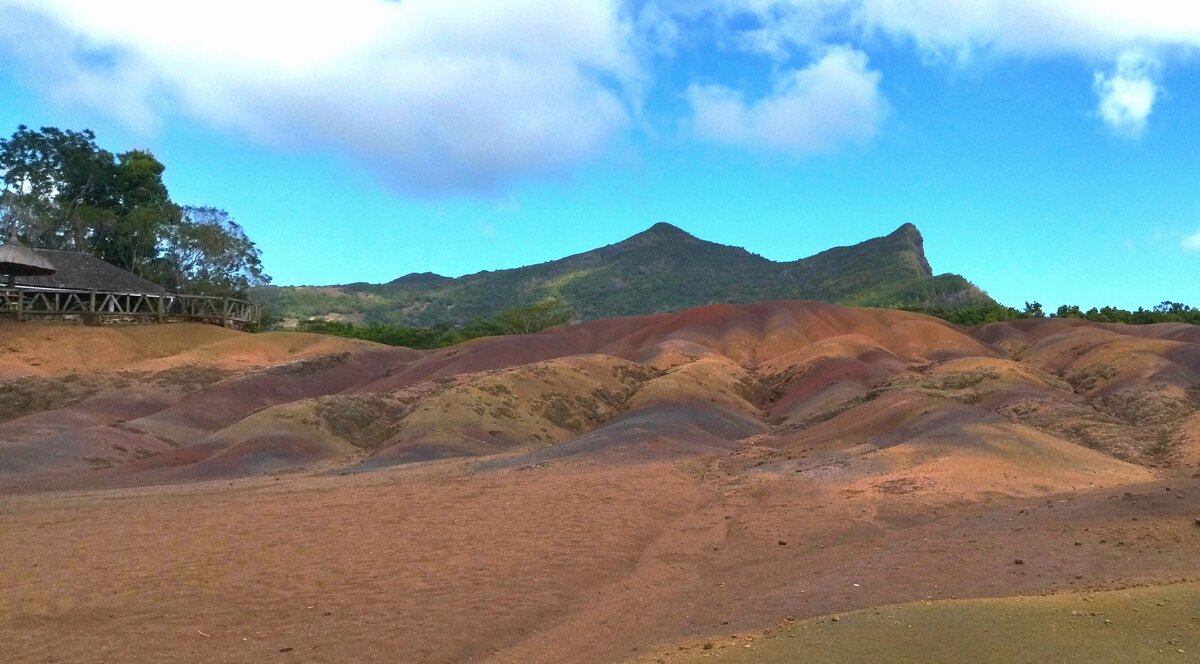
[17, 260]
[81, 272]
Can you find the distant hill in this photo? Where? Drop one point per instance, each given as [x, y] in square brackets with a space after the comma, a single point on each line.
[661, 269]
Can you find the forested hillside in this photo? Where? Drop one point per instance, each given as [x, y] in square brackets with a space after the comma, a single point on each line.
[658, 270]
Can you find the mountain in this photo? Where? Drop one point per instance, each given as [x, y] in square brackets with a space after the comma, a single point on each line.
[661, 269]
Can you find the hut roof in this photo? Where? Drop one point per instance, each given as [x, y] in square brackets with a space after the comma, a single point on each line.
[18, 260]
[78, 271]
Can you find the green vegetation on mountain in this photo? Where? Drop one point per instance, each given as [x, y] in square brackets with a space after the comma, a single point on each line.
[1164, 312]
[548, 313]
[659, 270]
[518, 320]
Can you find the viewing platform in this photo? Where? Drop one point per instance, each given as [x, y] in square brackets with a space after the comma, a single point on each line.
[98, 307]
[49, 284]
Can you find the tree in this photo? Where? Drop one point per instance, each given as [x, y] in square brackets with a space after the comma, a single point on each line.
[208, 253]
[57, 185]
[1169, 307]
[533, 318]
[63, 191]
[144, 214]
[1033, 310]
[1068, 311]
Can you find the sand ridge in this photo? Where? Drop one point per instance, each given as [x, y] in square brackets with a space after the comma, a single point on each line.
[791, 374]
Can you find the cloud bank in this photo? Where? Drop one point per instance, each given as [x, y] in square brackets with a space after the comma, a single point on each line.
[1091, 28]
[1126, 41]
[447, 96]
[1132, 36]
[960, 28]
[814, 109]
[439, 95]
[1192, 242]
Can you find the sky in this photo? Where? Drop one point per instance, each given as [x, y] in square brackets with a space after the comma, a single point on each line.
[1048, 150]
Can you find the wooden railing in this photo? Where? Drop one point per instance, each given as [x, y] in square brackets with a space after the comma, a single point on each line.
[24, 303]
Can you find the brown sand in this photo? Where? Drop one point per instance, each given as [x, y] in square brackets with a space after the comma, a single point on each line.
[589, 494]
[565, 563]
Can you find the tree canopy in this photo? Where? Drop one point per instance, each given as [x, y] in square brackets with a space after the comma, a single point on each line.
[63, 191]
[1164, 312]
[536, 317]
[540, 316]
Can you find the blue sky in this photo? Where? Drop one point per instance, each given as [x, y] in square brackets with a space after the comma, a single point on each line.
[1047, 150]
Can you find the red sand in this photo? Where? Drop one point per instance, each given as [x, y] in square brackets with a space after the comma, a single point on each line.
[610, 486]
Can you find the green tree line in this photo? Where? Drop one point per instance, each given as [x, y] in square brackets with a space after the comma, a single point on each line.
[1164, 312]
[63, 191]
[553, 311]
[518, 320]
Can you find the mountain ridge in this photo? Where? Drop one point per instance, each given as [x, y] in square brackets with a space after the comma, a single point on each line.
[661, 269]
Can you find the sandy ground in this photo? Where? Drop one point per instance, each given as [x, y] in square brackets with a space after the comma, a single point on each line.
[1148, 625]
[573, 562]
[616, 490]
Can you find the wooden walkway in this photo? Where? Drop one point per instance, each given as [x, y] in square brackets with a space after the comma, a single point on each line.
[98, 307]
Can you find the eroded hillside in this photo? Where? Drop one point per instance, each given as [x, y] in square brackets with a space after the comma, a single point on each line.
[798, 386]
[658, 488]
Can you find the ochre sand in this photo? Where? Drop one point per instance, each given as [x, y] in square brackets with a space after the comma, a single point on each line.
[574, 562]
[622, 489]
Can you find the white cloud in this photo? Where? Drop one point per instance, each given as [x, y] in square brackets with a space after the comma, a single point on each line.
[1094, 28]
[1192, 242]
[767, 27]
[461, 95]
[658, 31]
[1136, 36]
[1128, 93]
[439, 95]
[816, 109]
